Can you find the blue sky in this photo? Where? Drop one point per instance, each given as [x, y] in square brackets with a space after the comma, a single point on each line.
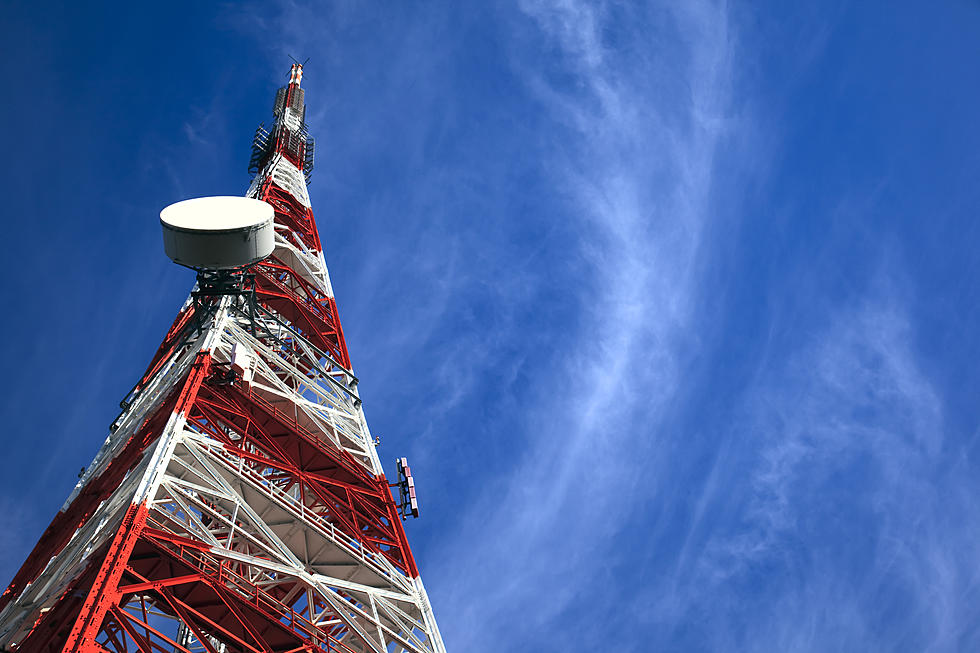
[670, 306]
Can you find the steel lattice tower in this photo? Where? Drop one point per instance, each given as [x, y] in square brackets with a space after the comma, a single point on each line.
[238, 503]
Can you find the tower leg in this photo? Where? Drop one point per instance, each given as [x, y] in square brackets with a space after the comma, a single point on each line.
[103, 594]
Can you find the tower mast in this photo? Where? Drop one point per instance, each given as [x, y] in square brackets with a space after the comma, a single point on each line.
[238, 503]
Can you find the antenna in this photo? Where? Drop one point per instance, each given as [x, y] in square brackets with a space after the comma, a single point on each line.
[221, 238]
[239, 503]
[218, 233]
[408, 503]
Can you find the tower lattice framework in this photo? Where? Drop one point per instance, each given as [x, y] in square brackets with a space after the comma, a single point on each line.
[238, 504]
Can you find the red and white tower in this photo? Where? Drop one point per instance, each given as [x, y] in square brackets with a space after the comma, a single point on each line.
[238, 503]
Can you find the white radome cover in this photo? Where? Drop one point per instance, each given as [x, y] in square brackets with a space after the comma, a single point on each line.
[218, 232]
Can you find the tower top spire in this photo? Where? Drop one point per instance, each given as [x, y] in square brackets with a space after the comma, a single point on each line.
[296, 74]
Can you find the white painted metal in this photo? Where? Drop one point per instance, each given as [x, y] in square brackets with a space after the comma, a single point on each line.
[383, 609]
[286, 175]
[218, 232]
[292, 119]
[196, 487]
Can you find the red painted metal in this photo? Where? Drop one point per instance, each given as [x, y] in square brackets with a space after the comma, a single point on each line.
[311, 312]
[146, 572]
[337, 486]
[77, 513]
[103, 593]
[167, 347]
[295, 219]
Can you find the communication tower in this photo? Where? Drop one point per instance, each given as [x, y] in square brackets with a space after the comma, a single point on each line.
[238, 503]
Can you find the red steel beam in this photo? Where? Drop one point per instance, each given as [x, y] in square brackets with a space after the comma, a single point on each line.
[357, 502]
[103, 595]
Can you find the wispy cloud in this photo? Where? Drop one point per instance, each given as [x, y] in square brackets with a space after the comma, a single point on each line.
[636, 169]
[835, 510]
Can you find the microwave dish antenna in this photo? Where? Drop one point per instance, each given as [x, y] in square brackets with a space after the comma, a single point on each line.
[218, 233]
